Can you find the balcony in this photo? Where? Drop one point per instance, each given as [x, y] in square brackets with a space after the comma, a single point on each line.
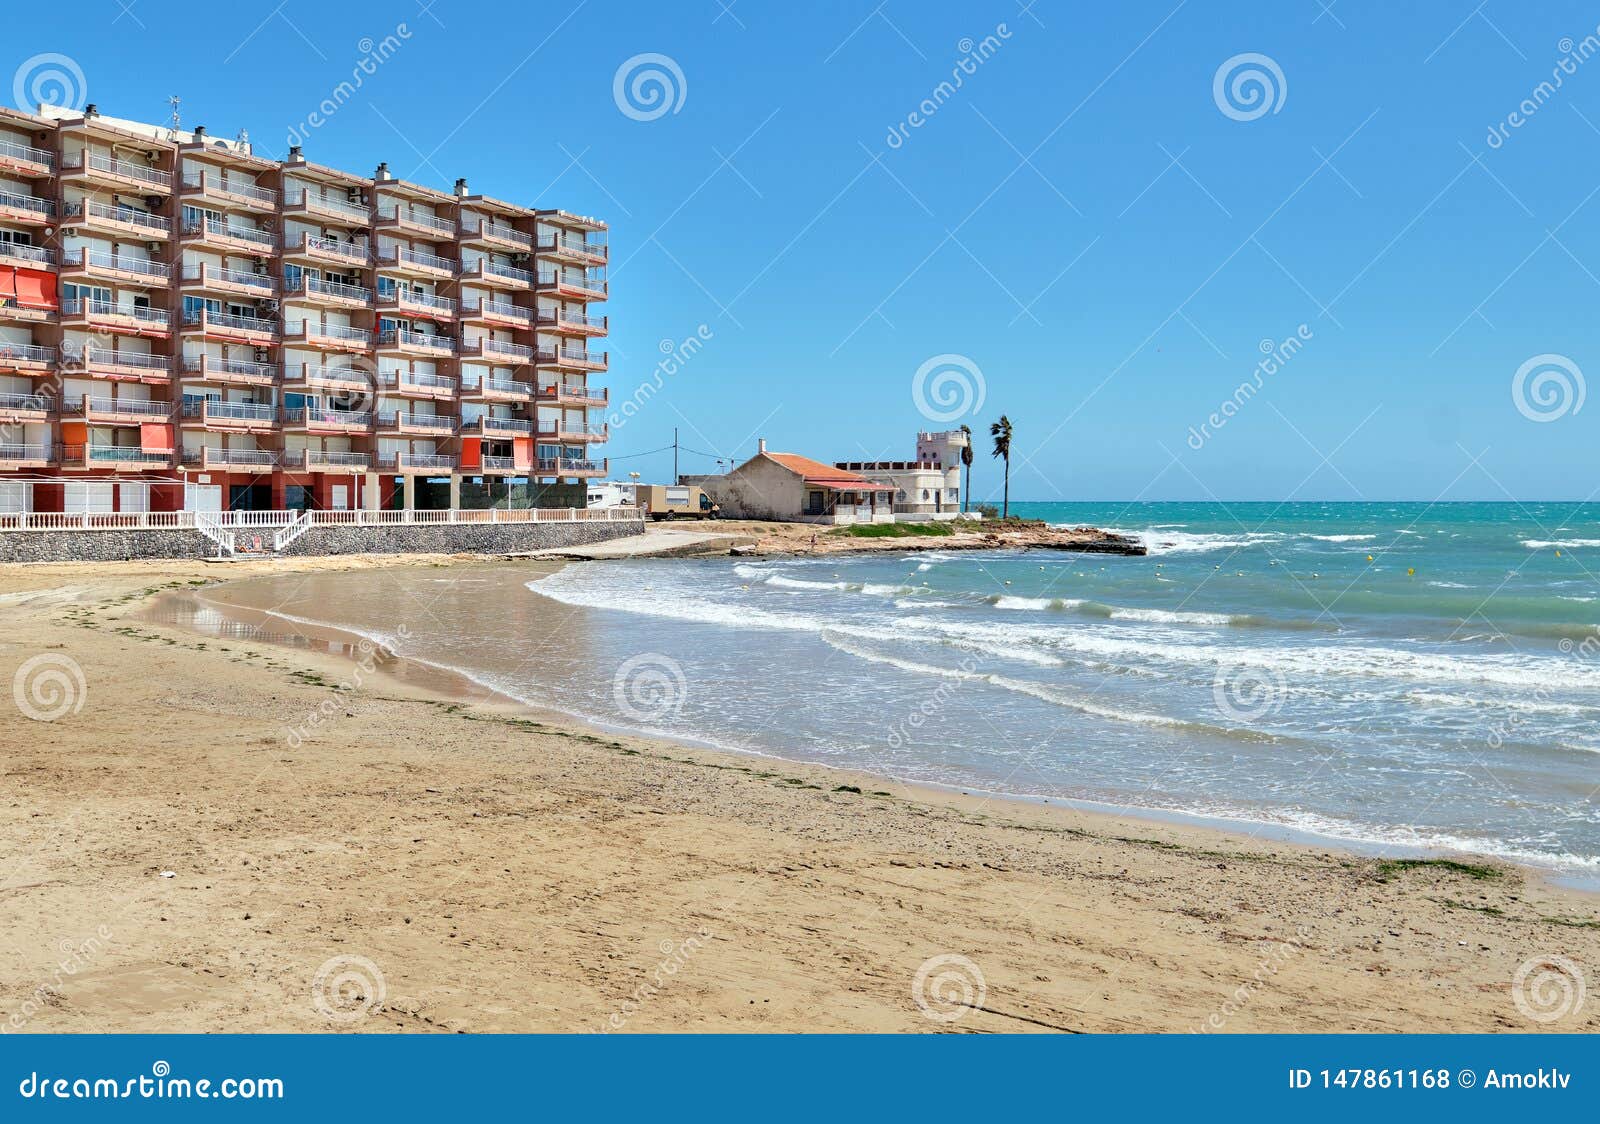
[417, 384]
[479, 231]
[215, 188]
[222, 235]
[417, 463]
[568, 466]
[487, 310]
[329, 294]
[489, 426]
[118, 458]
[427, 425]
[317, 460]
[311, 248]
[26, 456]
[571, 286]
[487, 272]
[328, 337]
[203, 277]
[400, 341]
[25, 160]
[127, 319]
[26, 210]
[28, 257]
[573, 394]
[116, 411]
[424, 305]
[228, 328]
[498, 352]
[404, 220]
[341, 381]
[572, 248]
[568, 433]
[115, 364]
[116, 219]
[568, 322]
[301, 202]
[416, 263]
[18, 408]
[25, 358]
[234, 416]
[500, 466]
[573, 358]
[232, 372]
[326, 419]
[12, 310]
[98, 264]
[498, 390]
[140, 178]
[226, 460]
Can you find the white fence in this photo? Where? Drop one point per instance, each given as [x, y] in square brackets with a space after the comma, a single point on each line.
[277, 520]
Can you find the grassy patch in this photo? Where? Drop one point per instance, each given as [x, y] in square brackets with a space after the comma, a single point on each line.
[1492, 911]
[847, 788]
[1388, 868]
[894, 531]
[1572, 922]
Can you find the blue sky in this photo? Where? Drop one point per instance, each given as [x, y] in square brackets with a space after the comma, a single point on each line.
[1082, 221]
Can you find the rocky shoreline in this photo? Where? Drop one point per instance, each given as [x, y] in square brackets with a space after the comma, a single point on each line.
[781, 539]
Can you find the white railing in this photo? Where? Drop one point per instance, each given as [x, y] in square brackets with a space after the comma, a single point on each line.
[99, 259]
[303, 198]
[307, 329]
[77, 306]
[208, 319]
[117, 168]
[24, 453]
[32, 403]
[349, 251]
[206, 182]
[400, 419]
[27, 253]
[264, 238]
[104, 357]
[217, 525]
[27, 352]
[298, 526]
[489, 346]
[335, 289]
[488, 268]
[401, 337]
[27, 152]
[400, 256]
[489, 229]
[491, 307]
[119, 214]
[216, 274]
[419, 300]
[417, 218]
[216, 365]
[27, 203]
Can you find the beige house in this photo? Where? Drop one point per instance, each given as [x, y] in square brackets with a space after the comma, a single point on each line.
[795, 489]
[926, 488]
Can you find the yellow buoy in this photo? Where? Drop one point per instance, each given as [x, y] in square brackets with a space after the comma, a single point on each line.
[1412, 572]
[1558, 554]
[1369, 558]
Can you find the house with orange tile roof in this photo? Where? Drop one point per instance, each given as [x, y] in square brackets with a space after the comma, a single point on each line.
[789, 488]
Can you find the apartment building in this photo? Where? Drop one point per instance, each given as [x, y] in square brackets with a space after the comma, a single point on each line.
[185, 324]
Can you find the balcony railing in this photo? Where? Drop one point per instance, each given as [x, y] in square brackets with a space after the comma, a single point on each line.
[488, 423]
[310, 328]
[26, 403]
[577, 356]
[203, 181]
[417, 218]
[13, 151]
[348, 251]
[317, 458]
[303, 198]
[400, 337]
[215, 365]
[335, 289]
[505, 386]
[552, 243]
[339, 376]
[403, 379]
[499, 464]
[408, 298]
[130, 216]
[571, 282]
[560, 317]
[120, 263]
[401, 256]
[27, 253]
[114, 454]
[205, 318]
[78, 306]
[98, 163]
[490, 307]
[490, 346]
[230, 411]
[249, 458]
[423, 460]
[510, 273]
[127, 407]
[421, 421]
[326, 415]
[263, 238]
[26, 352]
[570, 464]
[202, 272]
[589, 396]
[496, 230]
[105, 357]
[26, 203]
[9, 452]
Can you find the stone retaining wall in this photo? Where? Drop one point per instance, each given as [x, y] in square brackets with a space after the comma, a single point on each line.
[443, 538]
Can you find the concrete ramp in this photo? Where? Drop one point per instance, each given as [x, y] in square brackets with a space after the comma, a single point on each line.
[656, 542]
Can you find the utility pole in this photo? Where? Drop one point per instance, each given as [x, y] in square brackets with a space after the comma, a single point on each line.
[674, 454]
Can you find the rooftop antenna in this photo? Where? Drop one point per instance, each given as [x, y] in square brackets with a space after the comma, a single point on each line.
[176, 119]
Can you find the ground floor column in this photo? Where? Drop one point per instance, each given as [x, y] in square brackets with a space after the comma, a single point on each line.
[408, 485]
[455, 491]
[371, 497]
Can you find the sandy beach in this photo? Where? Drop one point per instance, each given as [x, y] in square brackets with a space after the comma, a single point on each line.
[225, 833]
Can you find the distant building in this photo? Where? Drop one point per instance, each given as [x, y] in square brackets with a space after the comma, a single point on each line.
[795, 489]
[926, 488]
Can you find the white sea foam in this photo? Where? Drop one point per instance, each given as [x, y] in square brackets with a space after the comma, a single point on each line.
[1565, 544]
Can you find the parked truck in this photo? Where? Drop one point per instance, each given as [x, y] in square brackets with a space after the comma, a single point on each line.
[675, 501]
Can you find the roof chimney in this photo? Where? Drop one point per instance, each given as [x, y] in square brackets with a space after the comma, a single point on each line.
[383, 172]
[199, 132]
[461, 188]
[761, 445]
[91, 110]
[294, 152]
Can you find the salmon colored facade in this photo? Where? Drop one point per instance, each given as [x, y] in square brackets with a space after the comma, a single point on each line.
[184, 323]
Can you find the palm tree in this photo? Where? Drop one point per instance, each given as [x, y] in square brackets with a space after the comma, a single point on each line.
[1001, 432]
[966, 459]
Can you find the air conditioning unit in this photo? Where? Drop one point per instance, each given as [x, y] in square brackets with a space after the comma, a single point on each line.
[153, 202]
[259, 266]
[519, 259]
[153, 247]
[263, 354]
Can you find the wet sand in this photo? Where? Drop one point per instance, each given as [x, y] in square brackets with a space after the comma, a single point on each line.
[357, 843]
